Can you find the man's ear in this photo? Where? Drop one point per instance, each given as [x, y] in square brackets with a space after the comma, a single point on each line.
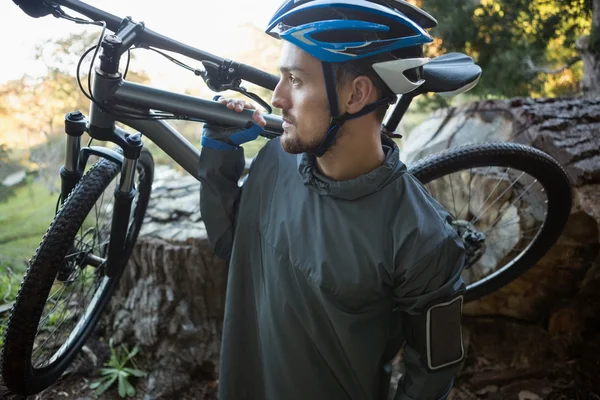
[361, 92]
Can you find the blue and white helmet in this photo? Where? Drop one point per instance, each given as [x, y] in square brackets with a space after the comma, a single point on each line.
[338, 31]
[378, 33]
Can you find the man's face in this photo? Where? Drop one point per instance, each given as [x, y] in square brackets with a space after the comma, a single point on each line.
[302, 98]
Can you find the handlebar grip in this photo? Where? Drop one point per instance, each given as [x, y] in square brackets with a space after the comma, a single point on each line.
[254, 75]
[34, 8]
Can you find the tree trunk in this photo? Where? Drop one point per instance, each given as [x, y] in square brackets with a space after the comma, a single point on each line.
[590, 82]
[171, 297]
[589, 49]
[538, 333]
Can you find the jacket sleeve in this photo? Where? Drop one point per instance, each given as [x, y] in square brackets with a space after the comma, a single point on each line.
[435, 278]
[219, 174]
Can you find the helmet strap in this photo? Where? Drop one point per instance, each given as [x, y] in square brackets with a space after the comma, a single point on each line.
[336, 121]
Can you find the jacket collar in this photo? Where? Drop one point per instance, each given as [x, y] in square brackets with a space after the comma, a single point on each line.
[355, 188]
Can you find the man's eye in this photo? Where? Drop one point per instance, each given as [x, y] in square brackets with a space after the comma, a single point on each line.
[294, 80]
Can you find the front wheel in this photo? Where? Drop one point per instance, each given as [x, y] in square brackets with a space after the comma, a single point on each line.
[509, 203]
[65, 288]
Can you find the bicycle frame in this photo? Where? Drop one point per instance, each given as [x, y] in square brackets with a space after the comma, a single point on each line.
[111, 91]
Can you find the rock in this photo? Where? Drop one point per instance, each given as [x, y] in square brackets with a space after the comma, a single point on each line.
[15, 178]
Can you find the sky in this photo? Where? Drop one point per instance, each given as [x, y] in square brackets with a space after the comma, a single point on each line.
[211, 28]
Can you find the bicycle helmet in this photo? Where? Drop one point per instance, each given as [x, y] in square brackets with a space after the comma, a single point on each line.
[340, 31]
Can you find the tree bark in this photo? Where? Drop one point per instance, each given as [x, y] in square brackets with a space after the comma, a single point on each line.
[589, 48]
[590, 82]
[170, 300]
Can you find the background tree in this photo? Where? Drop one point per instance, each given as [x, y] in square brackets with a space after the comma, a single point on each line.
[32, 109]
[7, 167]
[525, 47]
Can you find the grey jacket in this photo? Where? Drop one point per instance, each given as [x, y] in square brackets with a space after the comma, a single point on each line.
[324, 276]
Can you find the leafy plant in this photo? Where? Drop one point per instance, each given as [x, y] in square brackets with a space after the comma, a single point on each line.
[2, 330]
[117, 370]
[9, 281]
[9, 285]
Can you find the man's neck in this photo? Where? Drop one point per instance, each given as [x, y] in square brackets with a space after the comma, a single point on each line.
[356, 151]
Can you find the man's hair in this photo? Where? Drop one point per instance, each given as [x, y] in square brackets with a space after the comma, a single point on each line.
[349, 71]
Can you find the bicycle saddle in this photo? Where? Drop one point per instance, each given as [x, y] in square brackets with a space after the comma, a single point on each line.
[450, 74]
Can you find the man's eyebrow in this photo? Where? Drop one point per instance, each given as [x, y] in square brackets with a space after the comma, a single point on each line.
[291, 68]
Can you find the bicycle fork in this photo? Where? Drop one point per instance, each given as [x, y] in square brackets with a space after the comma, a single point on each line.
[72, 171]
[124, 195]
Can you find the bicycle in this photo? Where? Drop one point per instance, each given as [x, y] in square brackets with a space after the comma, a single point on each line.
[89, 241]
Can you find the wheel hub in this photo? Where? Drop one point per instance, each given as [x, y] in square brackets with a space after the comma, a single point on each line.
[474, 241]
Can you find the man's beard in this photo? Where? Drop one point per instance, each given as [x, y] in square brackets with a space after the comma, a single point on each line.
[295, 145]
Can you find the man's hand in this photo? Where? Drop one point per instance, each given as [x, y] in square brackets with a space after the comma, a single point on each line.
[230, 138]
[240, 105]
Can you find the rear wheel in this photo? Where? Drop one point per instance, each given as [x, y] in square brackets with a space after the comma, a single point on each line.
[65, 289]
[509, 202]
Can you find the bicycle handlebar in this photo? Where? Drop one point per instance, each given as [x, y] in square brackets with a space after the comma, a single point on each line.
[243, 71]
[37, 8]
[147, 37]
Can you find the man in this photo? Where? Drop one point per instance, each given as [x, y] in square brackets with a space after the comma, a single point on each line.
[337, 254]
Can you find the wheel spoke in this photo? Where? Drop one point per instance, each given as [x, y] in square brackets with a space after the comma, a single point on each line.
[71, 313]
[79, 289]
[51, 334]
[452, 191]
[468, 203]
[58, 303]
[515, 201]
[496, 200]
[491, 193]
[504, 209]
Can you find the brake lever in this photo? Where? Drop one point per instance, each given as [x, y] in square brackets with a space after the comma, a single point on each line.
[254, 97]
[222, 77]
[219, 77]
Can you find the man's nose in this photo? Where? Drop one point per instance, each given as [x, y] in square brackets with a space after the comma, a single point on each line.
[279, 99]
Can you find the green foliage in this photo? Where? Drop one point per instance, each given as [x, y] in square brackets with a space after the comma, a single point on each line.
[508, 37]
[9, 284]
[117, 371]
[3, 323]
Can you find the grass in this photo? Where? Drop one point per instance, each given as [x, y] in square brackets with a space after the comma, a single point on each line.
[24, 219]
